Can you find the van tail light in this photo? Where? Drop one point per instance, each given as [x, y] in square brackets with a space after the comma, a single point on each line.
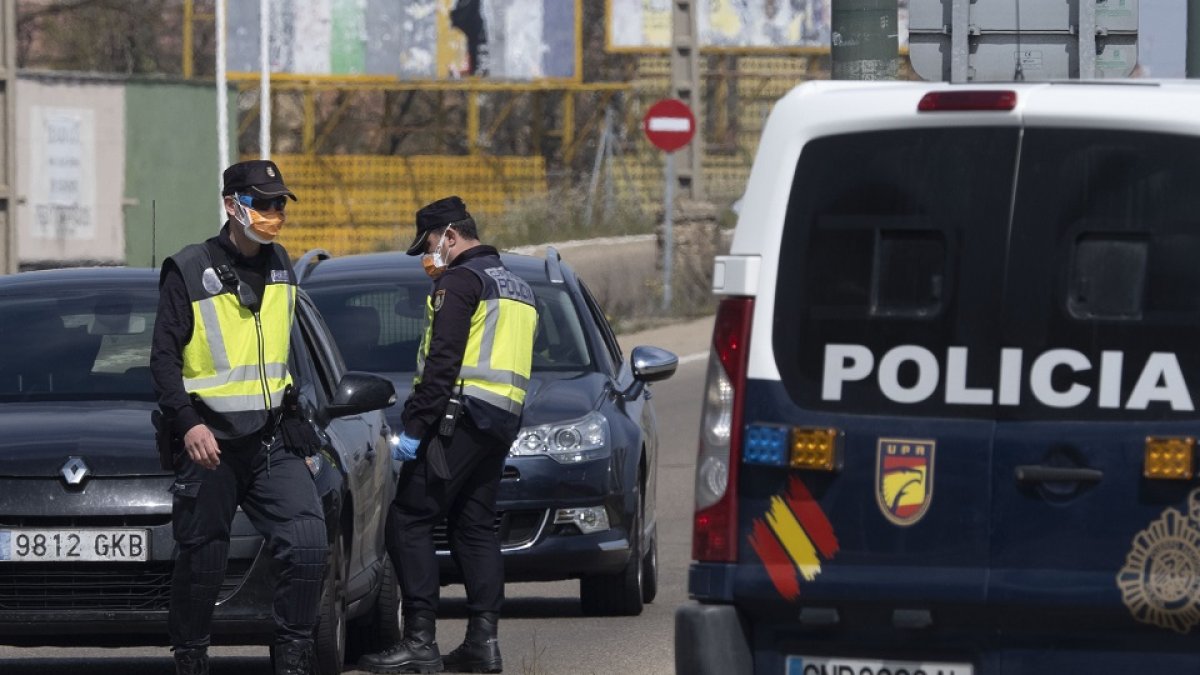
[714, 530]
[968, 100]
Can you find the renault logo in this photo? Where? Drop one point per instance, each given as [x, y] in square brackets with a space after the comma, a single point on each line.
[74, 471]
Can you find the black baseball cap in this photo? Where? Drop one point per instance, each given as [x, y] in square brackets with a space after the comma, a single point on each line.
[257, 178]
[439, 214]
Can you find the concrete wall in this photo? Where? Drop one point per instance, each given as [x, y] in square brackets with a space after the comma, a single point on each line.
[70, 172]
[172, 176]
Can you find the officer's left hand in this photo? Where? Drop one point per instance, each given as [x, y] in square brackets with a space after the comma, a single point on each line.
[406, 448]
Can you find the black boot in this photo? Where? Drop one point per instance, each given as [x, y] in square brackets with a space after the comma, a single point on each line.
[480, 650]
[417, 652]
[191, 661]
[294, 658]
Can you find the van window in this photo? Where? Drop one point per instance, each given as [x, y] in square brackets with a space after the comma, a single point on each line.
[895, 236]
[935, 276]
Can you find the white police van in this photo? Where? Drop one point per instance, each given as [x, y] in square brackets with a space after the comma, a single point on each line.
[950, 415]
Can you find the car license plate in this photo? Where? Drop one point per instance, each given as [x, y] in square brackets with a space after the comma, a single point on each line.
[832, 665]
[61, 545]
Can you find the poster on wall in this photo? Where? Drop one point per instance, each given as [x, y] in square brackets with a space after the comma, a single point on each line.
[645, 25]
[519, 40]
[62, 189]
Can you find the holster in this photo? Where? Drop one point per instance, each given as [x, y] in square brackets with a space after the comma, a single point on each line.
[165, 439]
[295, 429]
[437, 450]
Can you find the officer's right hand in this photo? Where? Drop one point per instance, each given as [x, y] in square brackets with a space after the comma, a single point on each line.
[405, 449]
[202, 447]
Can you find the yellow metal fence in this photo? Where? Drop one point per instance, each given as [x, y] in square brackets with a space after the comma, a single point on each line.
[356, 203]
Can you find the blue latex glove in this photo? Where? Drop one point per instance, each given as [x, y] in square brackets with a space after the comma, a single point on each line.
[406, 449]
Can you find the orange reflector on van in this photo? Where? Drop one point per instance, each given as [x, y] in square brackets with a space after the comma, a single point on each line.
[1169, 457]
[970, 100]
[817, 449]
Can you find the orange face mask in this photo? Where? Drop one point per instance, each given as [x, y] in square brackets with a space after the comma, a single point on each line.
[261, 227]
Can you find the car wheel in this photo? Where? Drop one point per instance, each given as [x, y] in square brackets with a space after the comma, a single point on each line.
[650, 572]
[381, 628]
[331, 625]
[618, 594]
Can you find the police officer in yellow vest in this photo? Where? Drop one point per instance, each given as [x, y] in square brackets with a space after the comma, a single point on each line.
[220, 367]
[459, 421]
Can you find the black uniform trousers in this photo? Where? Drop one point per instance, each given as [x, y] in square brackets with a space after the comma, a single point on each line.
[283, 506]
[468, 502]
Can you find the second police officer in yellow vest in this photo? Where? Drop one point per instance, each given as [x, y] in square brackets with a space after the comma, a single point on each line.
[459, 421]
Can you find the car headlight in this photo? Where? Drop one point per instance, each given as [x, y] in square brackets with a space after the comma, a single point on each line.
[567, 442]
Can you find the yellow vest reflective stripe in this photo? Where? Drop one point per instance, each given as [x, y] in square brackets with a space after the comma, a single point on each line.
[236, 362]
[498, 356]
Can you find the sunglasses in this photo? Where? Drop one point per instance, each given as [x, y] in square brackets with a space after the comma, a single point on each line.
[269, 204]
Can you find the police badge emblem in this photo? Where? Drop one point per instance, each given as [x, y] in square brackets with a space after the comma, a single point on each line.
[438, 298]
[904, 479]
[1160, 581]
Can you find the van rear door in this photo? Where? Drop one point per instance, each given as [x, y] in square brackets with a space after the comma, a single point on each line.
[1102, 324]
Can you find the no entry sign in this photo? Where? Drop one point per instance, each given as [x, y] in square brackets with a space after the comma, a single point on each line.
[669, 124]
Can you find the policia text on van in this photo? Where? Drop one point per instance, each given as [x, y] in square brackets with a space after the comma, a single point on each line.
[950, 414]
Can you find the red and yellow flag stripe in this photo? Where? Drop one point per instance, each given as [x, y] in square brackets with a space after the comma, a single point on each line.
[793, 535]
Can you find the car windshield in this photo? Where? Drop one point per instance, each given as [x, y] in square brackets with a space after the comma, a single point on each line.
[77, 345]
[378, 328]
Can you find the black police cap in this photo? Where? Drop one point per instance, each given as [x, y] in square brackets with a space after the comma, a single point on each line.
[257, 178]
[434, 216]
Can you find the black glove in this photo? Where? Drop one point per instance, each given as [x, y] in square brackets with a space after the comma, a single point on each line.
[299, 436]
[297, 432]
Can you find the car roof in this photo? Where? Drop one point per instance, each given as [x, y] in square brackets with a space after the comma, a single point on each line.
[80, 277]
[318, 267]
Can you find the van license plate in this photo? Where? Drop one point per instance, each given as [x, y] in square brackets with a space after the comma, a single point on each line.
[832, 665]
[109, 545]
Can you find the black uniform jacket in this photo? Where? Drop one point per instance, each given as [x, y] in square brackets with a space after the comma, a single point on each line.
[461, 291]
[173, 328]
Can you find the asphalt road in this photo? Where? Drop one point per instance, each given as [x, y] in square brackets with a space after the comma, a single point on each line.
[542, 631]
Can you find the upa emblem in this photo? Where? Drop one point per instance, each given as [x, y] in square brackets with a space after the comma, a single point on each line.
[439, 298]
[904, 479]
[1160, 582]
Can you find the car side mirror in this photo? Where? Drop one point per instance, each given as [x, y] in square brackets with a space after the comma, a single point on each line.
[649, 364]
[359, 392]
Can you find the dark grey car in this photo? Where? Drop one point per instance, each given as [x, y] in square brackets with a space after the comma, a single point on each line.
[85, 517]
[577, 498]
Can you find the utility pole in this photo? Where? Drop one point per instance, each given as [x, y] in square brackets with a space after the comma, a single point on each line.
[8, 138]
[689, 230]
[1193, 38]
[685, 86]
[865, 40]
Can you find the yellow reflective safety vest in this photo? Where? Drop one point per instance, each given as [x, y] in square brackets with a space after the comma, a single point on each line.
[499, 353]
[236, 361]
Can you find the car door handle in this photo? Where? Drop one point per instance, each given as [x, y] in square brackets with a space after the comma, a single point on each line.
[1037, 473]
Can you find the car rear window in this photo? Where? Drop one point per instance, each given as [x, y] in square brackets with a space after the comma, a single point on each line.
[989, 272]
[77, 345]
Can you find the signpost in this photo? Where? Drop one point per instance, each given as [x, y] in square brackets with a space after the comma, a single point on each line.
[670, 125]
